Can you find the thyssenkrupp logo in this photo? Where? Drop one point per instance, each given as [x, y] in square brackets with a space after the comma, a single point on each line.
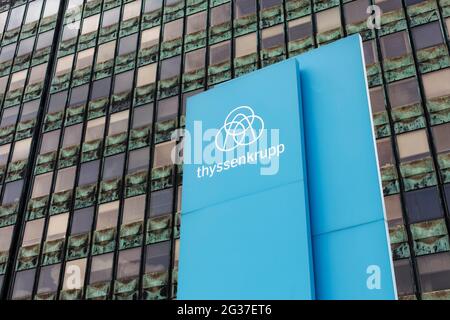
[242, 127]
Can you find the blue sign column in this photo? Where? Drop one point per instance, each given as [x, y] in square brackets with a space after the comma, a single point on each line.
[352, 257]
[245, 223]
[310, 158]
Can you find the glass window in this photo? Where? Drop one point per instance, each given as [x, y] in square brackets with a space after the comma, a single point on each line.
[220, 14]
[57, 227]
[72, 135]
[101, 268]
[75, 4]
[355, 11]
[434, 270]
[129, 263]
[370, 52]
[167, 109]
[85, 59]
[107, 215]
[143, 116]
[16, 18]
[152, 5]
[139, 160]
[113, 166]
[33, 232]
[393, 209]
[3, 83]
[395, 45]
[79, 95]
[89, 172]
[377, 100]
[18, 80]
[173, 30]
[9, 116]
[12, 193]
[90, 24]
[412, 145]
[131, 10]
[220, 53]
[118, 122]
[23, 284]
[3, 17]
[82, 221]
[33, 11]
[150, 37]
[300, 28]
[123, 82]
[101, 88]
[5, 238]
[404, 277]
[74, 274]
[51, 8]
[328, 20]
[70, 31]
[110, 17]
[194, 60]
[389, 5]
[45, 40]
[427, 35]
[133, 209]
[436, 83]
[106, 52]
[423, 204]
[146, 75]
[8, 52]
[404, 93]
[265, 4]
[64, 65]
[57, 102]
[4, 153]
[196, 22]
[158, 257]
[272, 37]
[161, 202]
[245, 45]
[42, 184]
[26, 46]
[49, 278]
[163, 154]
[385, 154]
[65, 179]
[244, 8]
[128, 44]
[95, 129]
[170, 68]
[441, 136]
[29, 110]
[21, 150]
[50, 141]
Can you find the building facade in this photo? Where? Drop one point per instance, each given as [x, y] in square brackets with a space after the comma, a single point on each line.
[91, 91]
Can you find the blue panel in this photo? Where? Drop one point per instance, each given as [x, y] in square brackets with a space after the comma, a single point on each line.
[345, 195]
[341, 155]
[245, 233]
[260, 90]
[349, 263]
[248, 248]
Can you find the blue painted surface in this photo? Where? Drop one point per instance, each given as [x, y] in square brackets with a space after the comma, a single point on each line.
[245, 235]
[344, 184]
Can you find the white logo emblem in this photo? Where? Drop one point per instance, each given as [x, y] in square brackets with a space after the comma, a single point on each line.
[242, 127]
